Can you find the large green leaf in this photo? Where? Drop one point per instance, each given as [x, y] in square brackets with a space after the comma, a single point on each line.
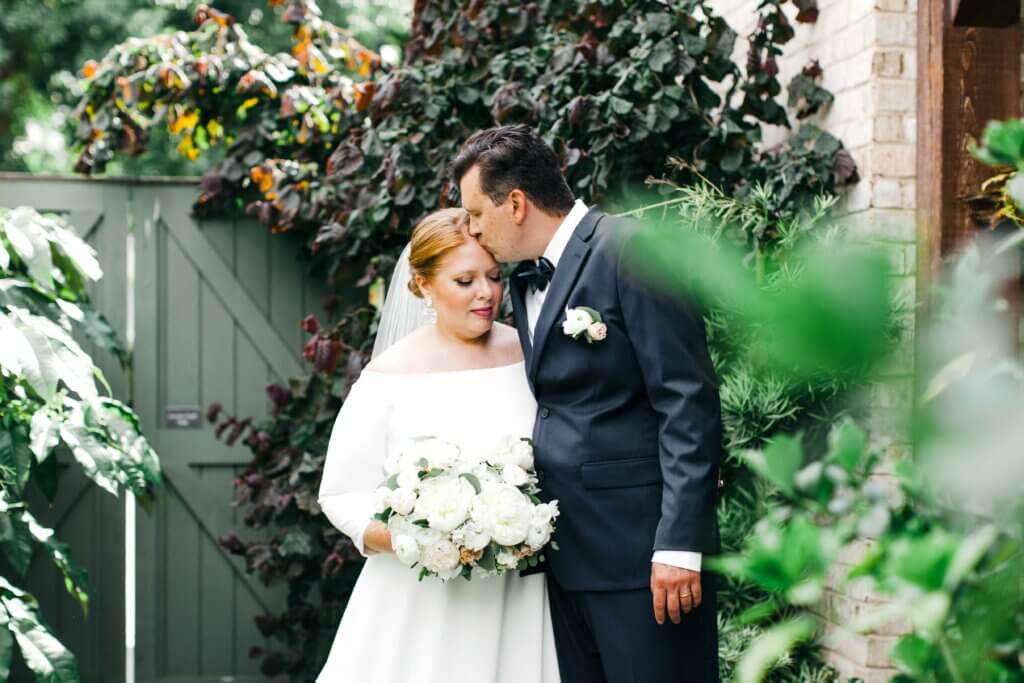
[60, 357]
[44, 433]
[6, 640]
[16, 456]
[15, 537]
[97, 458]
[31, 244]
[44, 655]
[18, 358]
[80, 253]
[76, 578]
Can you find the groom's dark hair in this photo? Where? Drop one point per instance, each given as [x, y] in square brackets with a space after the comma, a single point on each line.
[514, 157]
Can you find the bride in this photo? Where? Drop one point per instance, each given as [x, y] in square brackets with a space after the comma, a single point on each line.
[456, 374]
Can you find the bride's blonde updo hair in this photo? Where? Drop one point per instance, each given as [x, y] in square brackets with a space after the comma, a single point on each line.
[433, 237]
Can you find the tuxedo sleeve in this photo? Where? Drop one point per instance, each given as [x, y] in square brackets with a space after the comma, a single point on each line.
[667, 335]
[353, 468]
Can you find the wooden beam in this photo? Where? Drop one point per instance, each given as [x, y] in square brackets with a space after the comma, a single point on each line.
[966, 77]
[985, 13]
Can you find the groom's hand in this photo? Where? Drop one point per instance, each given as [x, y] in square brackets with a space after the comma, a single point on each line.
[676, 591]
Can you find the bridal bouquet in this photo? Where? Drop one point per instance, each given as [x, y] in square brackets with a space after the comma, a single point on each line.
[465, 512]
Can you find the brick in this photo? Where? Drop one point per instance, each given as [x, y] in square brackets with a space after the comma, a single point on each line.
[887, 193]
[893, 96]
[856, 198]
[882, 224]
[892, 161]
[888, 128]
[891, 5]
[887, 63]
[893, 29]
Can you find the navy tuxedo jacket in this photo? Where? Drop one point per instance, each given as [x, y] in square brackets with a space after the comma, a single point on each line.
[628, 436]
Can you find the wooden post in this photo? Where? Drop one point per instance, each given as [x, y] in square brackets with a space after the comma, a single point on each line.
[967, 76]
[991, 13]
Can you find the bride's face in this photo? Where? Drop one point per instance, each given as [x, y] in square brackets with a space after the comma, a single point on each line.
[466, 290]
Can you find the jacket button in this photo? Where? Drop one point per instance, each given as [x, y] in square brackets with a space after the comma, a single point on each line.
[544, 412]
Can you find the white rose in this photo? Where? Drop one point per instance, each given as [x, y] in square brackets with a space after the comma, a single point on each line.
[542, 514]
[441, 557]
[514, 475]
[505, 512]
[403, 500]
[439, 454]
[598, 331]
[507, 560]
[407, 550]
[538, 536]
[523, 454]
[382, 499]
[576, 321]
[445, 502]
[409, 478]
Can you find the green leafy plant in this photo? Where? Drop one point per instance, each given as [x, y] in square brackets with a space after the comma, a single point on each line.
[50, 404]
[945, 530]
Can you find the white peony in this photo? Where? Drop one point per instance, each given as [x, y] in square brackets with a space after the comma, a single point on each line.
[475, 538]
[504, 511]
[500, 452]
[381, 499]
[409, 478]
[441, 557]
[406, 549]
[576, 321]
[514, 475]
[538, 536]
[438, 454]
[444, 502]
[403, 500]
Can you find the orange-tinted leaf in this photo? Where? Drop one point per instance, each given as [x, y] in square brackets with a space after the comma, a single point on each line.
[364, 94]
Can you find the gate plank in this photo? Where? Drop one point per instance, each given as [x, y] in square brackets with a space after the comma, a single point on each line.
[246, 311]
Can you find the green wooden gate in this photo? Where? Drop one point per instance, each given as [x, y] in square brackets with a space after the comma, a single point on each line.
[213, 308]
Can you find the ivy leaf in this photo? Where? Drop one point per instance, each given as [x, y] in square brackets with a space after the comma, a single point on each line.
[662, 55]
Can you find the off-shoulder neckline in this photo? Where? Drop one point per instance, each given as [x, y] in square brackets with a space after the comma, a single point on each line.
[442, 373]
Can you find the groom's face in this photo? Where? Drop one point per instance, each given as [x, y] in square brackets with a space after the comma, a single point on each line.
[494, 226]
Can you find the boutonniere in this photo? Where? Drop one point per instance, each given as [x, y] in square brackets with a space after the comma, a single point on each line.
[584, 322]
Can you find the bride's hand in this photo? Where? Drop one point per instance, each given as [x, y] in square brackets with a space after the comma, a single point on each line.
[377, 538]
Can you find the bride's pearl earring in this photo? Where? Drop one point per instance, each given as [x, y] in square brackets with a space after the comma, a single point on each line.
[431, 312]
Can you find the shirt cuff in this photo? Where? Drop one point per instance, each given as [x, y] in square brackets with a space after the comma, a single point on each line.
[684, 559]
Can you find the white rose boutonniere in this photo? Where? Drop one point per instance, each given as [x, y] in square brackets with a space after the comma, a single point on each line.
[584, 322]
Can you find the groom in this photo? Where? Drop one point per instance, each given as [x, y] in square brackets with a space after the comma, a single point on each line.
[628, 433]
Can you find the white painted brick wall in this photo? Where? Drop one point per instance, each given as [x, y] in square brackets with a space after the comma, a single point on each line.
[867, 49]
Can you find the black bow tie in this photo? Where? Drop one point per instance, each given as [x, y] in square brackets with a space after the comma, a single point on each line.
[537, 274]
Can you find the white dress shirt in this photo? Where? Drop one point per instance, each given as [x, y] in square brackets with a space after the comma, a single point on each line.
[535, 301]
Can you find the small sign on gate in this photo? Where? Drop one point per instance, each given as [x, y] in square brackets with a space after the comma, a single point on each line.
[183, 417]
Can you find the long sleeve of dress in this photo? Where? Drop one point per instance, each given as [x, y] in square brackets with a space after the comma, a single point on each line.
[353, 468]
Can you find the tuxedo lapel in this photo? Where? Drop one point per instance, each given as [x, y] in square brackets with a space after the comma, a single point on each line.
[566, 273]
[517, 293]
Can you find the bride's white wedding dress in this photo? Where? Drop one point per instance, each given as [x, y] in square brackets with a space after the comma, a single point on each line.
[397, 629]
